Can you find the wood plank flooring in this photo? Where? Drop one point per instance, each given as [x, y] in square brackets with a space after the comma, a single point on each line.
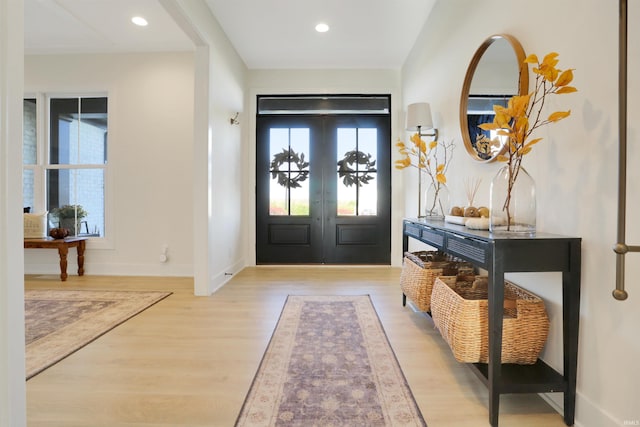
[189, 361]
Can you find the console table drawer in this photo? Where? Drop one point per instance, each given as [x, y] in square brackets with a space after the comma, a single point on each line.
[425, 234]
[476, 251]
[432, 237]
[412, 230]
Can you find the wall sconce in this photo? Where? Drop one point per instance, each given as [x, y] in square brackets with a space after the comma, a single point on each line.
[419, 118]
[234, 120]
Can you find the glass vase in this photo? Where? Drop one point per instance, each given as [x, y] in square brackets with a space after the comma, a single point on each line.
[512, 202]
[436, 201]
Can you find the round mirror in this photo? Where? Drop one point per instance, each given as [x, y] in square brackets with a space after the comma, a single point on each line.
[494, 75]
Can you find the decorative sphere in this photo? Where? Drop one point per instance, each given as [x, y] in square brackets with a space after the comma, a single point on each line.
[58, 233]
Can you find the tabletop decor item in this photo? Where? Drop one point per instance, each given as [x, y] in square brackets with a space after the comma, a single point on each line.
[58, 233]
[432, 158]
[69, 217]
[471, 187]
[35, 225]
[463, 213]
[512, 195]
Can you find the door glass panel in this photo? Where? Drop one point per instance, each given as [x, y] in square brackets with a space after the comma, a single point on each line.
[347, 196]
[277, 199]
[289, 170]
[299, 200]
[356, 161]
[367, 142]
[368, 197]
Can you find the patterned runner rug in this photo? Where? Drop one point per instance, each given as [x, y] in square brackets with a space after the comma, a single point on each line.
[329, 363]
[59, 322]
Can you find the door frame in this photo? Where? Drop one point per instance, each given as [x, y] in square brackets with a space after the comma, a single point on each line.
[384, 210]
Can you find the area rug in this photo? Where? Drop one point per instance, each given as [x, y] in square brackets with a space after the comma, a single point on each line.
[329, 363]
[59, 322]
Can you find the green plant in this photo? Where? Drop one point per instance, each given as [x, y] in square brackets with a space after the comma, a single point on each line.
[69, 211]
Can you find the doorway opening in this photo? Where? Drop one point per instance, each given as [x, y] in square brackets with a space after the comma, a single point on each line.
[323, 179]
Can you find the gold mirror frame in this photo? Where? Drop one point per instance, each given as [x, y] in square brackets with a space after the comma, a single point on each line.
[523, 88]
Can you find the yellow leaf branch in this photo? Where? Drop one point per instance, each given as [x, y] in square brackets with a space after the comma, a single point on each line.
[433, 158]
[523, 114]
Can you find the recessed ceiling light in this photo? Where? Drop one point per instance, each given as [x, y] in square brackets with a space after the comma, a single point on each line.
[322, 27]
[140, 21]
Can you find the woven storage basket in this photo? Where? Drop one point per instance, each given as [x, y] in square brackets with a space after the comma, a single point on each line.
[420, 269]
[459, 308]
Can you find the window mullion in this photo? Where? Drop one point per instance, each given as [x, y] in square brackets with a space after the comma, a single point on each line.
[40, 184]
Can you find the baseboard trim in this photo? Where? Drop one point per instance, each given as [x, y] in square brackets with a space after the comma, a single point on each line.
[221, 278]
[585, 410]
[169, 269]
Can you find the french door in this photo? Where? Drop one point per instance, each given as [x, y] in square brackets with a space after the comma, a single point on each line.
[323, 189]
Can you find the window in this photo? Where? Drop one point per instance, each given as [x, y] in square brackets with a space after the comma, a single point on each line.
[357, 187]
[65, 161]
[289, 190]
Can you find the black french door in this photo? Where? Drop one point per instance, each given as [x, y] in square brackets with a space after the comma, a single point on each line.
[323, 189]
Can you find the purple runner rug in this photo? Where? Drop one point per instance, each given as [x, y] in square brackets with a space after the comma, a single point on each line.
[329, 363]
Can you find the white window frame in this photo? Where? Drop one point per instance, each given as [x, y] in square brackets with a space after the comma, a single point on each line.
[106, 241]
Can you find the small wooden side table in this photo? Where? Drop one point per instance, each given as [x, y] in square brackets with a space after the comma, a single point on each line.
[62, 245]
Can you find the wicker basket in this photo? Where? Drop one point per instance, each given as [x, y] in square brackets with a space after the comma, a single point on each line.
[460, 312]
[420, 269]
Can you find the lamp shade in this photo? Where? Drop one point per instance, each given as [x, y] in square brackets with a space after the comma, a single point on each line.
[419, 114]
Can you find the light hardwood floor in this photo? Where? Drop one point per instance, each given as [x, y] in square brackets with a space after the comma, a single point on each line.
[189, 361]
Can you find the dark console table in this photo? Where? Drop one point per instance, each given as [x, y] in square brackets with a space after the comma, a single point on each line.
[499, 254]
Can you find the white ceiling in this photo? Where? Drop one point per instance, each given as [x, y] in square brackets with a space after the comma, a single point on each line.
[266, 33]
[88, 26]
[363, 34]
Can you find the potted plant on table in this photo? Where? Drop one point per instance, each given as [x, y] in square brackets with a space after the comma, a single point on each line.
[69, 217]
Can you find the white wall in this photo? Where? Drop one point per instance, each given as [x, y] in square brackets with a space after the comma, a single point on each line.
[339, 81]
[220, 150]
[12, 384]
[150, 158]
[162, 155]
[575, 169]
[176, 163]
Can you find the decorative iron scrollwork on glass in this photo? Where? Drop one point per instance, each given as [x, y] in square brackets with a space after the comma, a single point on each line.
[290, 176]
[356, 168]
